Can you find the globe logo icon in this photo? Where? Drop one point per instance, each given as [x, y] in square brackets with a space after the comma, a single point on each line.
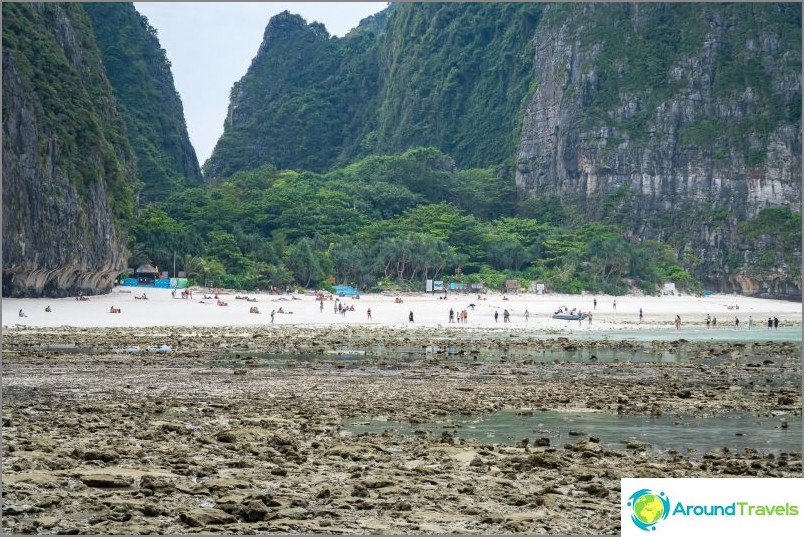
[648, 508]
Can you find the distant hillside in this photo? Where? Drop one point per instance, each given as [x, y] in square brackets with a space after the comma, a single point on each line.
[139, 73]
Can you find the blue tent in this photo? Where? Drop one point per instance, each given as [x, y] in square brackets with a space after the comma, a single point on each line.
[346, 290]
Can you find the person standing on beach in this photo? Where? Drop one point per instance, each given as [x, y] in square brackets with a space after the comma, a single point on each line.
[527, 315]
[273, 312]
[776, 323]
[451, 315]
[321, 305]
[750, 322]
[594, 303]
[496, 315]
[614, 305]
[678, 322]
[736, 323]
[708, 320]
[770, 323]
[506, 316]
[640, 315]
[590, 319]
[368, 313]
[410, 316]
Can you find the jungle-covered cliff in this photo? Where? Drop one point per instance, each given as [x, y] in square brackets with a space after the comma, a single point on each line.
[676, 122]
[70, 169]
[139, 73]
[447, 75]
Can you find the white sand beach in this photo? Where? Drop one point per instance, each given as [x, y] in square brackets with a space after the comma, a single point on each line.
[161, 309]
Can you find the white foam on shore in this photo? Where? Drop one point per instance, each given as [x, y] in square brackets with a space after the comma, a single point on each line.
[161, 309]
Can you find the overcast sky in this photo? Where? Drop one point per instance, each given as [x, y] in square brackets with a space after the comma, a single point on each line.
[211, 44]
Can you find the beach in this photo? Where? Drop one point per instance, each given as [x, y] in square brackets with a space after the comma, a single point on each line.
[162, 309]
[180, 417]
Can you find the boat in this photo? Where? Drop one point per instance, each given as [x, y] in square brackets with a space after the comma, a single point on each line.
[571, 316]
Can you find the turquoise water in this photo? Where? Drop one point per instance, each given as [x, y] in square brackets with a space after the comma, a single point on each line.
[688, 435]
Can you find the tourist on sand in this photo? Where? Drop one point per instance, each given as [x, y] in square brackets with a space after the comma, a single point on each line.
[527, 314]
[496, 315]
[750, 322]
[273, 312]
[47, 309]
[614, 305]
[410, 317]
[708, 320]
[736, 323]
[770, 323]
[594, 303]
[321, 306]
[22, 314]
[590, 319]
[714, 322]
[368, 313]
[640, 315]
[506, 316]
[776, 323]
[451, 315]
[678, 322]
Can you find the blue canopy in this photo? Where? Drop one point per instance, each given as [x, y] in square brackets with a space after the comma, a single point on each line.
[346, 290]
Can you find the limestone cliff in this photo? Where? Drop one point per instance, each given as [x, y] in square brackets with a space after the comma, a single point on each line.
[139, 73]
[681, 121]
[69, 179]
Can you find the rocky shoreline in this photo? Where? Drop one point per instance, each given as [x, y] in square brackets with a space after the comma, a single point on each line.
[207, 438]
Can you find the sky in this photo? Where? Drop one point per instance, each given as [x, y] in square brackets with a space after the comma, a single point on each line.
[211, 44]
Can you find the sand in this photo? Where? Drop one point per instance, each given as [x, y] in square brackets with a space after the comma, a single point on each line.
[161, 309]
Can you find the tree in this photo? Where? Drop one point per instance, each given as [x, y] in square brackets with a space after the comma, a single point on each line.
[306, 265]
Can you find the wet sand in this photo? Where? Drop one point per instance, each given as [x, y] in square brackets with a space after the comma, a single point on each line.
[204, 438]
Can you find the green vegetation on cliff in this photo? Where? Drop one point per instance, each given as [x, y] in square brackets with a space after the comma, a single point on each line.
[452, 76]
[71, 97]
[139, 72]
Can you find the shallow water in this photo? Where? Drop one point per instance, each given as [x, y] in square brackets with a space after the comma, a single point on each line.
[782, 334]
[688, 435]
[400, 357]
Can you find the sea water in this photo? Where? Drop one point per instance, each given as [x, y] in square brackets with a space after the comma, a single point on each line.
[686, 434]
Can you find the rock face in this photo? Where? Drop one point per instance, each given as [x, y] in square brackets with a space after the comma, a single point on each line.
[682, 122]
[451, 76]
[140, 76]
[68, 172]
